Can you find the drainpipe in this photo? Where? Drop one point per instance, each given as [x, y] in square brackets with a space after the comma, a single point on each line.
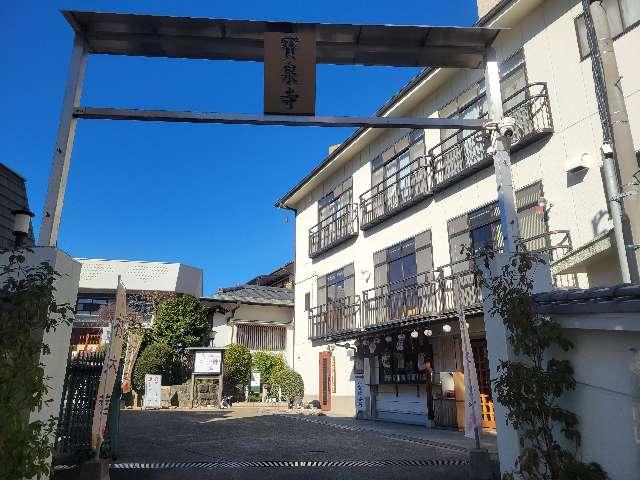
[619, 159]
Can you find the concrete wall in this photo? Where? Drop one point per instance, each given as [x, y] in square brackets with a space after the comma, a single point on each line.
[575, 202]
[607, 396]
[58, 340]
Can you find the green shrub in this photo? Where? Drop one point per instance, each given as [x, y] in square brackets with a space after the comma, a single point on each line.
[156, 359]
[181, 322]
[288, 381]
[266, 363]
[237, 365]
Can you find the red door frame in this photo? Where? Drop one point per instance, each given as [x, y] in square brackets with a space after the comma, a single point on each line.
[324, 375]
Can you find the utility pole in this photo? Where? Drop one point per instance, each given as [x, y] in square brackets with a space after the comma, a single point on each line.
[616, 131]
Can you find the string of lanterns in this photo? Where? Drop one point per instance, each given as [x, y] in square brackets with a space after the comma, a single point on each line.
[372, 343]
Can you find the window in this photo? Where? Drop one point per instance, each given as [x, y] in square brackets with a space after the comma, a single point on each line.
[262, 337]
[402, 267]
[472, 102]
[481, 228]
[90, 306]
[337, 286]
[396, 163]
[307, 301]
[402, 264]
[331, 206]
[622, 16]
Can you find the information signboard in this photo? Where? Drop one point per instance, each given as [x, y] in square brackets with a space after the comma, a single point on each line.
[208, 362]
[255, 382]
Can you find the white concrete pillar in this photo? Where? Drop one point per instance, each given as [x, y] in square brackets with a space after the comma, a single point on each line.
[499, 349]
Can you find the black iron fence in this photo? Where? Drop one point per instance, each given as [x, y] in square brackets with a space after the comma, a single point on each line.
[409, 186]
[333, 230]
[82, 379]
[428, 294]
[464, 152]
[335, 318]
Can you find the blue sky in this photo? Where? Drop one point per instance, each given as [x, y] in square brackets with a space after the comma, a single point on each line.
[198, 194]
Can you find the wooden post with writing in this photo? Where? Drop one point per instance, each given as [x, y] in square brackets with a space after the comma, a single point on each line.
[109, 369]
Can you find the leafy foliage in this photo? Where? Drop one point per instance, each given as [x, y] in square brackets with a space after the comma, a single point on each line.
[156, 359]
[181, 322]
[531, 384]
[266, 363]
[289, 382]
[27, 309]
[237, 365]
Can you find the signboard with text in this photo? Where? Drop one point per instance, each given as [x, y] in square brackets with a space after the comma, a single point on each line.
[207, 362]
[290, 73]
[255, 382]
[152, 391]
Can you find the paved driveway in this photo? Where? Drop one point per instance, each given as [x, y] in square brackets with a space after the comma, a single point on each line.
[243, 444]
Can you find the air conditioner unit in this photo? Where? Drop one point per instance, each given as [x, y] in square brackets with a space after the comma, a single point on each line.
[579, 163]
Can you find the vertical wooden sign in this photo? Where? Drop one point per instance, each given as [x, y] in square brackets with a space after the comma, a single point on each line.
[290, 73]
[109, 369]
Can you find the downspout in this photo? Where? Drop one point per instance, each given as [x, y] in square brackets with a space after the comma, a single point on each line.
[609, 164]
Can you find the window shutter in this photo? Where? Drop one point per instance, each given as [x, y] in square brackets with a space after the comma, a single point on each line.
[424, 254]
[349, 281]
[456, 244]
[307, 301]
[322, 291]
[380, 268]
[532, 224]
[402, 144]
[528, 196]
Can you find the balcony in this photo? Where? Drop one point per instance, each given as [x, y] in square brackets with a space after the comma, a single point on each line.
[387, 198]
[335, 319]
[464, 153]
[428, 295]
[333, 230]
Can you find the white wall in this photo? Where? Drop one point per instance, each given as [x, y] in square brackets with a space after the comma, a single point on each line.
[577, 203]
[98, 274]
[58, 340]
[258, 314]
[607, 396]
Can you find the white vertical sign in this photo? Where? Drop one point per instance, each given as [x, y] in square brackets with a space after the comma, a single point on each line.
[152, 391]
[472, 417]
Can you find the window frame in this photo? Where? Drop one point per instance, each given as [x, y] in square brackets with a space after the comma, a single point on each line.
[491, 220]
[625, 30]
[378, 164]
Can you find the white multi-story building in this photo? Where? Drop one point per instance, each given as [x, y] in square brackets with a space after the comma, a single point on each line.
[382, 222]
[98, 283]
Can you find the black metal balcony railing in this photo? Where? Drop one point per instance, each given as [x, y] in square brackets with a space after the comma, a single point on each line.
[463, 153]
[409, 186]
[335, 318]
[426, 295]
[333, 230]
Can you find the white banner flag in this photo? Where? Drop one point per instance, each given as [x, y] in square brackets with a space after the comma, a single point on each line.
[109, 369]
[472, 415]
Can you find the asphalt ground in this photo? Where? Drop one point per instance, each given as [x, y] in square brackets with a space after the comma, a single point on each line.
[246, 444]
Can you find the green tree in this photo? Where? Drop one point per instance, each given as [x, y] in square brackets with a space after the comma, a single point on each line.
[531, 385]
[156, 359]
[181, 322]
[288, 381]
[266, 363]
[28, 309]
[237, 365]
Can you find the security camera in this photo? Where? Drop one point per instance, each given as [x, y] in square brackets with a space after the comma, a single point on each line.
[507, 126]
